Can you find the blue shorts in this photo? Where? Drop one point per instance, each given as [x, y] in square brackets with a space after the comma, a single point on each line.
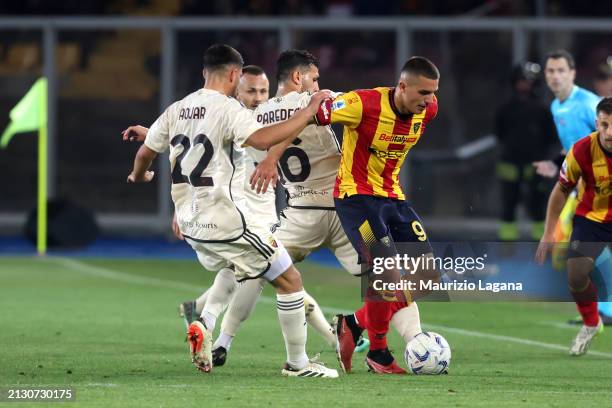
[589, 238]
[378, 224]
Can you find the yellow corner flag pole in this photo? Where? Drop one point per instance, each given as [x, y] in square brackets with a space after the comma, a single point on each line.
[41, 236]
[28, 115]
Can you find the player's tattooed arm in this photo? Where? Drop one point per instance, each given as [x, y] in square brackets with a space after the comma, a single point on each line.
[557, 200]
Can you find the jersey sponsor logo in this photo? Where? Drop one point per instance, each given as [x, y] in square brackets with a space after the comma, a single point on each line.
[396, 138]
[192, 113]
[352, 100]
[196, 224]
[387, 154]
[277, 115]
[301, 191]
[338, 105]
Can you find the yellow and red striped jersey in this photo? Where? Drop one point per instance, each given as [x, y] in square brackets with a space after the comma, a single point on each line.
[376, 140]
[587, 159]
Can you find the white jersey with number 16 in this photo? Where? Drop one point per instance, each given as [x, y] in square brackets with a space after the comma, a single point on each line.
[309, 166]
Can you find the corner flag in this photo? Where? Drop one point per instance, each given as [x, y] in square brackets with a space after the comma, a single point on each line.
[28, 115]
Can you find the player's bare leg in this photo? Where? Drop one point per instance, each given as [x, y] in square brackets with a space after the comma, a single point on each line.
[584, 293]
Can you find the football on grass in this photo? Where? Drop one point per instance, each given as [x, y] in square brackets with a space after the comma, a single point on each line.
[428, 353]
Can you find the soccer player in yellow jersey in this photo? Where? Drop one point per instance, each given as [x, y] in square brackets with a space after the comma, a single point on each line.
[380, 126]
[589, 159]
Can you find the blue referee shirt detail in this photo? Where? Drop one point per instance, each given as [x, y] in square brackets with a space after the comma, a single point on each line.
[575, 116]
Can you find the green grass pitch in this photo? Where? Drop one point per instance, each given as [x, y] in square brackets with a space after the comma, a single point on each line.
[110, 330]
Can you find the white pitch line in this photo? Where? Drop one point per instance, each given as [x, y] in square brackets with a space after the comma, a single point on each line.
[101, 272]
[561, 325]
[510, 339]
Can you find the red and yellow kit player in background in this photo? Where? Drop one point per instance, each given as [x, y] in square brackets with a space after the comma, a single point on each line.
[380, 126]
[589, 160]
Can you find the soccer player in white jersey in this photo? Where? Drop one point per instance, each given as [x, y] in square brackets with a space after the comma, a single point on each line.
[206, 132]
[252, 91]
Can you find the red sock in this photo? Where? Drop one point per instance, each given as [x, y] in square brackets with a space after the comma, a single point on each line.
[378, 315]
[586, 303]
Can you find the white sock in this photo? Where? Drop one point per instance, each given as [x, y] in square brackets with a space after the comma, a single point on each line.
[292, 320]
[224, 340]
[210, 320]
[219, 296]
[407, 321]
[201, 301]
[242, 305]
[315, 318]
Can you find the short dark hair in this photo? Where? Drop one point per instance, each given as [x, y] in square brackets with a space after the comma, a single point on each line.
[290, 60]
[219, 56]
[556, 54]
[421, 66]
[604, 72]
[605, 106]
[253, 70]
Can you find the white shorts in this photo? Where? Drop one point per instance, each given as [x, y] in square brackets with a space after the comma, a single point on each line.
[256, 254]
[304, 230]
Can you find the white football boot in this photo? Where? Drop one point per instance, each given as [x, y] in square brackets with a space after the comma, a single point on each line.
[313, 369]
[581, 343]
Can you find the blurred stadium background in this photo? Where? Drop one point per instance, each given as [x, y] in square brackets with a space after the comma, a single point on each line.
[115, 63]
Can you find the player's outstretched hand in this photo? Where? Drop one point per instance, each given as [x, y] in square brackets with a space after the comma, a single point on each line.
[175, 229]
[135, 133]
[316, 100]
[546, 168]
[265, 173]
[146, 177]
[546, 245]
